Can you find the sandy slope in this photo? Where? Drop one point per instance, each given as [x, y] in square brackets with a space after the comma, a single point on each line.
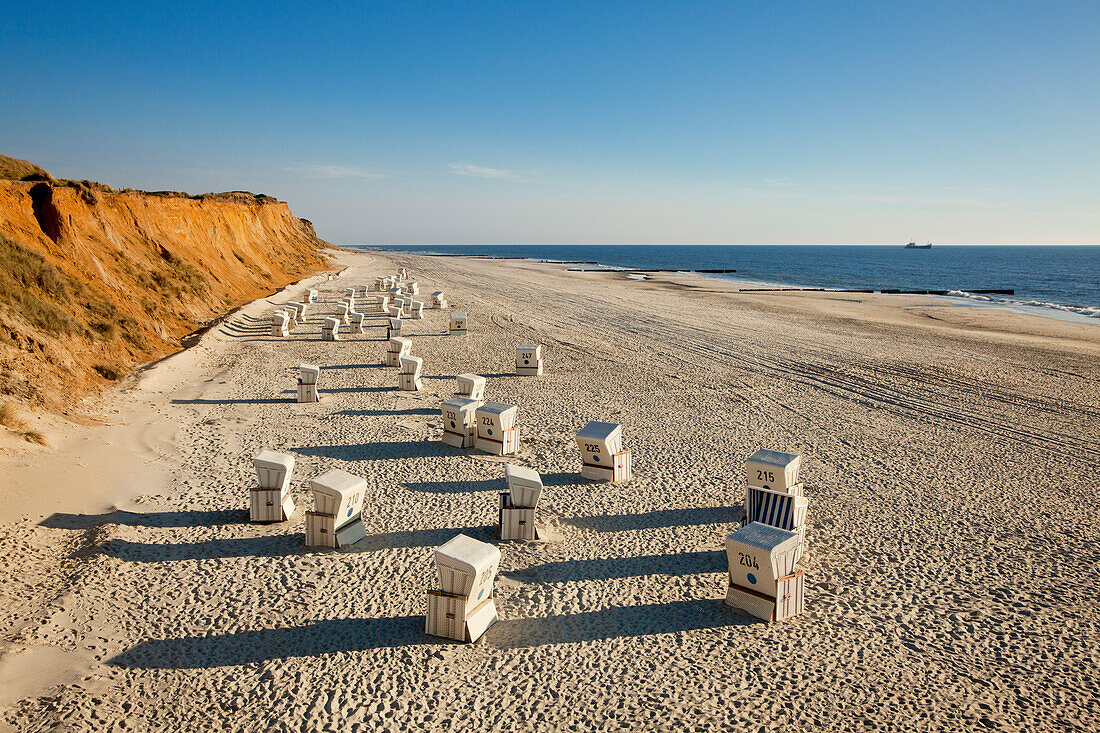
[951, 461]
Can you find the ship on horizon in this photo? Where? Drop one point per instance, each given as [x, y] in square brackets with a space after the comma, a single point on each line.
[914, 245]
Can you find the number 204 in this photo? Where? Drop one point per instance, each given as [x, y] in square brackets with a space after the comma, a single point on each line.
[748, 561]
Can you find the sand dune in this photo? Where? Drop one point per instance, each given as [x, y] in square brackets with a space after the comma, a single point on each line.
[951, 460]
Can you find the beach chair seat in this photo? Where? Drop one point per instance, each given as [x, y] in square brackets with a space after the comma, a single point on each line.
[396, 347]
[438, 300]
[336, 518]
[528, 361]
[393, 327]
[762, 578]
[409, 378]
[457, 323]
[308, 375]
[270, 500]
[280, 324]
[459, 421]
[471, 386]
[602, 454]
[497, 433]
[330, 329]
[464, 606]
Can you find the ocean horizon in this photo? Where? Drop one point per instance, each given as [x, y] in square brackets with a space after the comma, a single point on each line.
[1053, 280]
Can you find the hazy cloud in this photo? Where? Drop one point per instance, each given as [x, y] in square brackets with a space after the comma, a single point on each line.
[333, 171]
[466, 169]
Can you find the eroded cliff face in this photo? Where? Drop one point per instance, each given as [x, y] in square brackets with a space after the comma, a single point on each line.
[94, 282]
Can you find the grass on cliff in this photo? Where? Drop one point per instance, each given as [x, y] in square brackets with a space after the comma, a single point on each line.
[25, 277]
[11, 419]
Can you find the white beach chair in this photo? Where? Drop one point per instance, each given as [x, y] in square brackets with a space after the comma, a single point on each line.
[358, 322]
[307, 382]
[496, 429]
[459, 426]
[270, 500]
[438, 300]
[409, 378]
[413, 288]
[416, 309]
[458, 323]
[311, 295]
[330, 329]
[280, 321]
[336, 519]
[464, 607]
[518, 505]
[397, 347]
[393, 327]
[602, 454]
[773, 470]
[528, 361]
[762, 577]
[471, 386]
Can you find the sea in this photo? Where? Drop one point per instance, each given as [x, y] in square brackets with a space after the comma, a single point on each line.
[1057, 281]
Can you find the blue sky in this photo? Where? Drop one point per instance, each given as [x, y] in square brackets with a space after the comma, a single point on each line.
[626, 122]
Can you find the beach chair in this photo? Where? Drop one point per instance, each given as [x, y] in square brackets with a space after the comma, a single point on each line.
[336, 519]
[280, 321]
[307, 382]
[358, 322]
[270, 500]
[602, 454]
[413, 288]
[409, 378]
[416, 309]
[519, 503]
[471, 386]
[439, 300]
[300, 307]
[458, 323]
[311, 295]
[330, 329]
[393, 327]
[397, 347]
[777, 509]
[343, 311]
[394, 309]
[773, 470]
[463, 607]
[496, 429]
[528, 361]
[762, 578]
[459, 426]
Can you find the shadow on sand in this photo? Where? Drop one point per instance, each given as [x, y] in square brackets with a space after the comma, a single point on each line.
[358, 634]
[391, 450]
[658, 519]
[608, 568]
[211, 518]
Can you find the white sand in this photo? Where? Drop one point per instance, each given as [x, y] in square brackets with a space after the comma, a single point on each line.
[951, 459]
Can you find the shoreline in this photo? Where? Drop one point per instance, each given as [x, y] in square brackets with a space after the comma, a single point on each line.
[978, 297]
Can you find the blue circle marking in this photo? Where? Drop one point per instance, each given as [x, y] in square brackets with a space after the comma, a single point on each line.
[752, 578]
[489, 431]
[596, 459]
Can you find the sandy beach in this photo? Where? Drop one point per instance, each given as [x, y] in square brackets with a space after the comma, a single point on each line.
[951, 459]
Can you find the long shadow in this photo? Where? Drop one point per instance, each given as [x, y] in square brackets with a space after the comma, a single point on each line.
[658, 519]
[354, 366]
[248, 647]
[378, 451]
[357, 389]
[456, 487]
[249, 401]
[372, 413]
[423, 538]
[607, 568]
[616, 623]
[276, 545]
[61, 520]
[281, 545]
[562, 478]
